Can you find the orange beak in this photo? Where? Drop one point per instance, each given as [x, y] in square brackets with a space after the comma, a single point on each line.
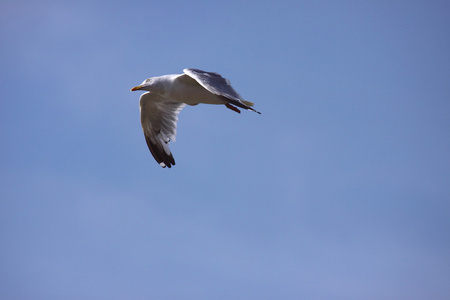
[136, 88]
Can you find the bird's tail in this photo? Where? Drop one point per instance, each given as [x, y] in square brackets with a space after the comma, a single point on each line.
[240, 103]
[249, 105]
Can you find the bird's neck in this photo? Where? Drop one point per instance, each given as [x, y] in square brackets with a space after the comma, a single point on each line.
[163, 85]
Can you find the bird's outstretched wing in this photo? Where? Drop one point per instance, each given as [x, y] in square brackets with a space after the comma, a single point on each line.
[159, 118]
[220, 86]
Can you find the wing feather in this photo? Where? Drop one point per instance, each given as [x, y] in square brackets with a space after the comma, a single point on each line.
[218, 85]
[159, 118]
[214, 83]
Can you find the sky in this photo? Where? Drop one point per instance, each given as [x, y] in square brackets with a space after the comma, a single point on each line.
[340, 189]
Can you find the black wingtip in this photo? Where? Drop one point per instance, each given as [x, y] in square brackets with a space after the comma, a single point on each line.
[252, 109]
[161, 157]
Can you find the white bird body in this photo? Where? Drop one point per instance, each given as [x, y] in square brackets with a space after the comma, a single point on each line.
[184, 89]
[166, 97]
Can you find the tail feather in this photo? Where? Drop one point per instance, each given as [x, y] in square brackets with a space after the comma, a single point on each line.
[242, 104]
[248, 103]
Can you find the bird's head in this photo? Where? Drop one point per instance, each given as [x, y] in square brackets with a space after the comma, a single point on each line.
[146, 85]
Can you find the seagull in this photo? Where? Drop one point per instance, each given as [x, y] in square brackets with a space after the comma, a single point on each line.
[167, 95]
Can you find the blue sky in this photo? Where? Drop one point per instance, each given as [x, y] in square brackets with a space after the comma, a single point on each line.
[339, 190]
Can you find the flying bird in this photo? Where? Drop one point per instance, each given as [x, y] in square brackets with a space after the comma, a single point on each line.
[167, 95]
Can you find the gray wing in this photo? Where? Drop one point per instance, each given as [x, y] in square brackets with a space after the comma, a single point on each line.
[220, 86]
[159, 118]
[214, 83]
